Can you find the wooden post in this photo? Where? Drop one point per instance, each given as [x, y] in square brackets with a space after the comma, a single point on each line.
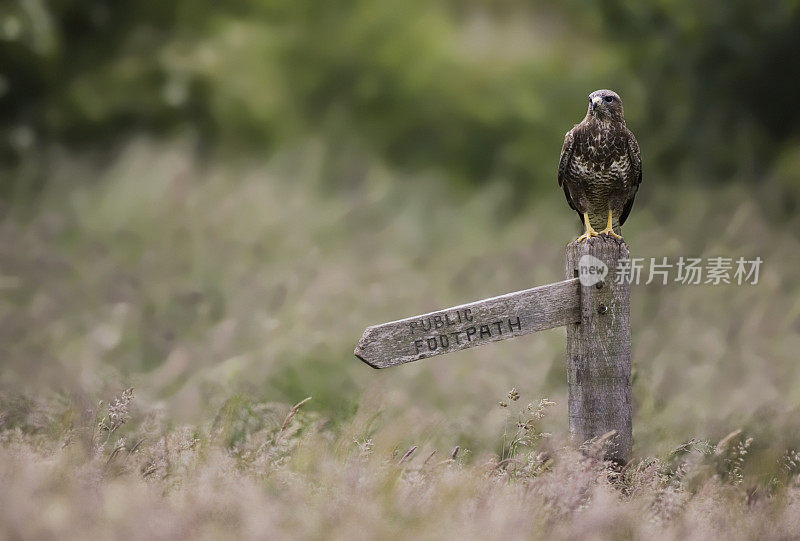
[590, 302]
[599, 347]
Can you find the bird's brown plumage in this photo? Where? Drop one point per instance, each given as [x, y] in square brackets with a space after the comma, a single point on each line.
[601, 166]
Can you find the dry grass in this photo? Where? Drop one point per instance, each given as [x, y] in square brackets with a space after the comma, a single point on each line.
[225, 294]
[275, 471]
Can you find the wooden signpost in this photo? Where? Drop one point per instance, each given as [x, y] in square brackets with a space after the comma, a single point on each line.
[589, 302]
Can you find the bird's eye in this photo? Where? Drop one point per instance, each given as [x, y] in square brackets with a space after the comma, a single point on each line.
[609, 99]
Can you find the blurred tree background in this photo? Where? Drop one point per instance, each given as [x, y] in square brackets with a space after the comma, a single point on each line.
[479, 89]
[204, 199]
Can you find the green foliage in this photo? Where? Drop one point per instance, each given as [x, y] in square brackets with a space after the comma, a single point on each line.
[482, 89]
[82, 71]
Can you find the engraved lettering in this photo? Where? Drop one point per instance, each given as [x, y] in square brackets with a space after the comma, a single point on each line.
[471, 331]
[446, 340]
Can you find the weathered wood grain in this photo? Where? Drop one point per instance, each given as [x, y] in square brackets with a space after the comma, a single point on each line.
[599, 352]
[470, 325]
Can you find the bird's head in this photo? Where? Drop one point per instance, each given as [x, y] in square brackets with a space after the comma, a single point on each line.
[606, 105]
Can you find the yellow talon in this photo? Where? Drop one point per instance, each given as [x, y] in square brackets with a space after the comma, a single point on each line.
[609, 230]
[590, 232]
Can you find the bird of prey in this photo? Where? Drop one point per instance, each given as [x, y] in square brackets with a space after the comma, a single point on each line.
[601, 167]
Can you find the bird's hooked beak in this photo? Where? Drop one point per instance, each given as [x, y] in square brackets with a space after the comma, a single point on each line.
[596, 101]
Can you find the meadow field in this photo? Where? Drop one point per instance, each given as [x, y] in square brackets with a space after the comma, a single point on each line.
[202, 206]
[224, 294]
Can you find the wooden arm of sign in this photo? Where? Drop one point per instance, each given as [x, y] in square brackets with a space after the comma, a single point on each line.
[470, 325]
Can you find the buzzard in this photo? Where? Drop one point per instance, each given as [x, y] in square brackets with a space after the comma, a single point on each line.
[601, 167]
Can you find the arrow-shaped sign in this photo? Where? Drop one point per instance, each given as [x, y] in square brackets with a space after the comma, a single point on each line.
[470, 325]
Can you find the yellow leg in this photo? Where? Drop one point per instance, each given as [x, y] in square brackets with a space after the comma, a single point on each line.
[609, 230]
[590, 232]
